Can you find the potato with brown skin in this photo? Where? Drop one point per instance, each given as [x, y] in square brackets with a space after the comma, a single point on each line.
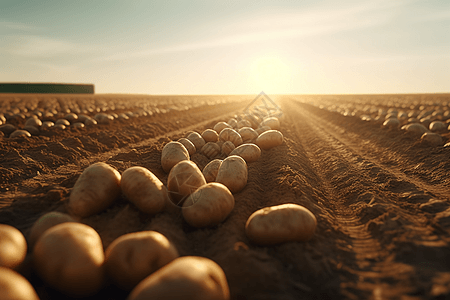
[172, 153]
[272, 122]
[221, 126]
[211, 169]
[262, 129]
[249, 152]
[208, 206]
[211, 150]
[14, 286]
[188, 145]
[210, 135]
[197, 140]
[133, 256]
[269, 139]
[142, 188]
[233, 173]
[248, 134]
[45, 222]
[69, 257]
[95, 190]
[13, 246]
[184, 178]
[187, 278]
[279, 224]
[227, 147]
[231, 135]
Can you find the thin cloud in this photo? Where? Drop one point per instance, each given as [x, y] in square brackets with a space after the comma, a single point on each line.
[6, 25]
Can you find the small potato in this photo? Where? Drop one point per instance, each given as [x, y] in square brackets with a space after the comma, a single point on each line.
[415, 128]
[95, 190]
[269, 139]
[210, 135]
[208, 206]
[33, 122]
[20, 133]
[248, 134]
[232, 122]
[45, 222]
[13, 246]
[142, 188]
[210, 150]
[187, 278]
[272, 122]
[14, 286]
[262, 129]
[233, 173]
[184, 178]
[197, 140]
[243, 123]
[227, 147]
[133, 256]
[231, 135]
[434, 139]
[249, 152]
[69, 257]
[190, 147]
[211, 169]
[280, 224]
[173, 153]
[221, 126]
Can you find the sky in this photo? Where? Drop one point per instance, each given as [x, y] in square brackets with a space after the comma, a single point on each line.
[229, 47]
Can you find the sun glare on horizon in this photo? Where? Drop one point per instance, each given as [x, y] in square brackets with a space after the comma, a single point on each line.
[270, 74]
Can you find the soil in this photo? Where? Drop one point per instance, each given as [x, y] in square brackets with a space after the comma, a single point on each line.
[381, 196]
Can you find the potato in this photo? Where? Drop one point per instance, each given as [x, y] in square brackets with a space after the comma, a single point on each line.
[231, 135]
[133, 256]
[210, 150]
[221, 126]
[272, 122]
[188, 145]
[142, 188]
[249, 152]
[391, 123]
[434, 139]
[243, 123]
[262, 129]
[69, 257]
[33, 122]
[232, 122]
[45, 222]
[173, 153]
[208, 206]
[14, 286]
[279, 224]
[415, 128]
[184, 178]
[227, 147]
[248, 134]
[197, 140]
[269, 139]
[210, 135]
[187, 278]
[13, 246]
[437, 126]
[20, 133]
[95, 190]
[233, 173]
[211, 169]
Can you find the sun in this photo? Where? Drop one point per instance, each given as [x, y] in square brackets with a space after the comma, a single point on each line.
[270, 74]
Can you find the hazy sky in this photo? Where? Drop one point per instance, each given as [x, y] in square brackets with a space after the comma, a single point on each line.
[231, 47]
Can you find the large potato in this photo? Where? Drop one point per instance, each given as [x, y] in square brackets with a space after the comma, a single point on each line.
[211, 169]
[190, 147]
[197, 140]
[249, 152]
[45, 222]
[172, 153]
[187, 278]
[210, 135]
[269, 139]
[144, 189]
[14, 286]
[69, 257]
[184, 178]
[13, 246]
[211, 150]
[272, 122]
[231, 135]
[279, 224]
[209, 205]
[95, 190]
[133, 256]
[233, 173]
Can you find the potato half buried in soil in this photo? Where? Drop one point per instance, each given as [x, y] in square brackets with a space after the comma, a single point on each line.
[269, 139]
[279, 224]
[45, 222]
[70, 258]
[95, 190]
[13, 246]
[142, 188]
[187, 278]
[133, 256]
[188, 145]
[210, 135]
[228, 134]
[184, 178]
[14, 286]
[211, 169]
[172, 153]
[249, 152]
[272, 122]
[208, 206]
[196, 139]
[210, 150]
[233, 173]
